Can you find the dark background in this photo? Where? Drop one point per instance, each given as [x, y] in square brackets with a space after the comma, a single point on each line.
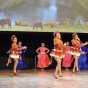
[32, 40]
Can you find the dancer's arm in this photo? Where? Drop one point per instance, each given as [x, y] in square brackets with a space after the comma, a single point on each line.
[38, 49]
[84, 44]
[47, 50]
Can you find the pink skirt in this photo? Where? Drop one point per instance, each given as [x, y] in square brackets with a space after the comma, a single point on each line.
[67, 60]
[43, 61]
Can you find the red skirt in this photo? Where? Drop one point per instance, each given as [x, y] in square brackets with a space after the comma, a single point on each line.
[56, 54]
[67, 60]
[43, 61]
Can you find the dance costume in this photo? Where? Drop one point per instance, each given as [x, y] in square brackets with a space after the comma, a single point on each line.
[76, 47]
[76, 44]
[58, 54]
[83, 59]
[43, 59]
[67, 60]
[58, 51]
[14, 51]
[21, 63]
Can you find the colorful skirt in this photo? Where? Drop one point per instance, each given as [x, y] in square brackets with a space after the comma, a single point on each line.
[56, 54]
[14, 56]
[43, 61]
[83, 62]
[67, 60]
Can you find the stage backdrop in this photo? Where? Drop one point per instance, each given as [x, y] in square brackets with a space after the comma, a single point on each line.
[60, 28]
[44, 15]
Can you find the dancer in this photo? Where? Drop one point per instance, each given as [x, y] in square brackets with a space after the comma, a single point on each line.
[21, 48]
[58, 53]
[9, 51]
[76, 44]
[43, 59]
[83, 59]
[14, 54]
[67, 60]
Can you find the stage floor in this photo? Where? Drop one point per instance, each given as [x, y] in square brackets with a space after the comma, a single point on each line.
[43, 79]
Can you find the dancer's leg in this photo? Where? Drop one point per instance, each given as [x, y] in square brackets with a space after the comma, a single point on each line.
[74, 67]
[77, 68]
[58, 71]
[8, 62]
[59, 66]
[15, 66]
[76, 64]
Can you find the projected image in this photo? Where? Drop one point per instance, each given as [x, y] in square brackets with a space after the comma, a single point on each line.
[44, 15]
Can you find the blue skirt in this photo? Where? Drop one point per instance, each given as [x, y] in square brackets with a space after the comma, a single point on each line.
[21, 63]
[83, 62]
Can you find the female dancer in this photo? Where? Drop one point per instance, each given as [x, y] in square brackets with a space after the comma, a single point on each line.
[58, 53]
[67, 60]
[21, 48]
[43, 59]
[9, 51]
[76, 44]
[14, 54]
[83, 59]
